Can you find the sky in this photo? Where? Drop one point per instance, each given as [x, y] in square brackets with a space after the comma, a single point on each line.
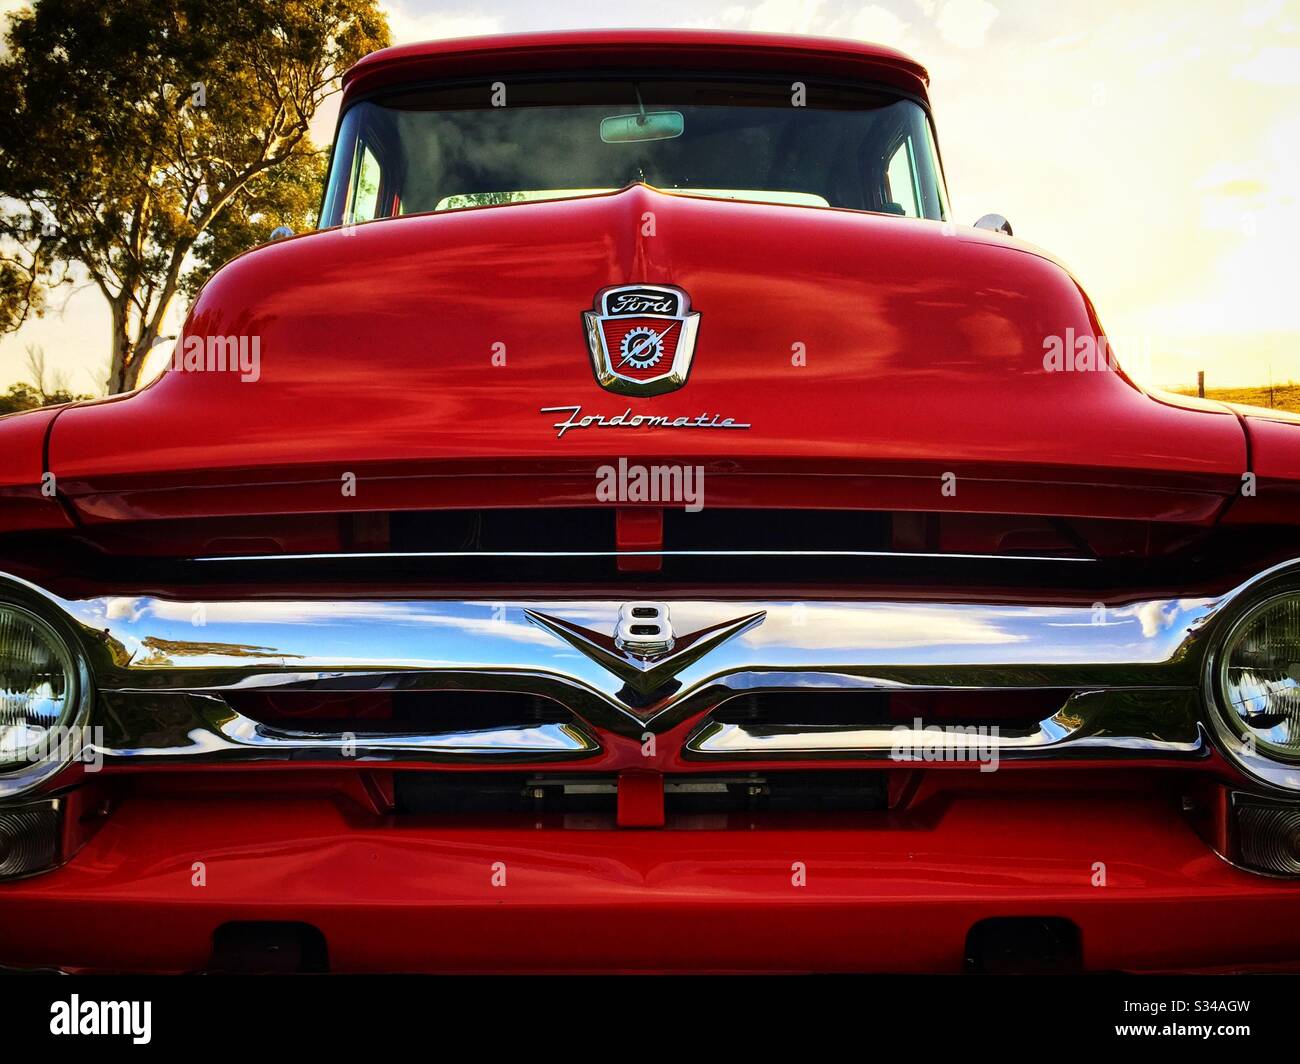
[1151, 145]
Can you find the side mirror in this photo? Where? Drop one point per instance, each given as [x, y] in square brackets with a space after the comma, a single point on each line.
[995, 223]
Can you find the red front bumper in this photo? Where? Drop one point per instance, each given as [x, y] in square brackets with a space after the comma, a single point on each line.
[405, 895]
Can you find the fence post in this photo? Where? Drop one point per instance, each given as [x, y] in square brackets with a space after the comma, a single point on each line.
[1200, 383]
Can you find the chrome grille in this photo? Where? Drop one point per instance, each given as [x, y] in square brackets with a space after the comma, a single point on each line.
[174, 675]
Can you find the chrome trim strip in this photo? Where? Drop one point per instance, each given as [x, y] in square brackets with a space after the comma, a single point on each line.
[1090, 723]
[372, 555]
[186, 725]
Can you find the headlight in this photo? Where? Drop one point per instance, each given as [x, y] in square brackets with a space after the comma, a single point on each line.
[1259, 677]
[38, 686]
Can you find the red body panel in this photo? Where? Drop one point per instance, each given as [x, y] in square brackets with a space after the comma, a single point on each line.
[1275, 446]
[23, 505]
[1274, 440]
[924, 355]
[889, 896]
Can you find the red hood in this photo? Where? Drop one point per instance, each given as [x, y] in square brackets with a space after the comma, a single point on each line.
[924, 354]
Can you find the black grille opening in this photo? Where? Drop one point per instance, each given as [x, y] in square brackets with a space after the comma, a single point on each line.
[810, 708]
[862, 709]
[747, 529]
[510, 529]
[596, 795]
[940, 550]
[777, 792]
[398, 711]
[443, 793]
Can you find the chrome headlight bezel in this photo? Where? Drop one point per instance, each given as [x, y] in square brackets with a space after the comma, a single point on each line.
[27, 600]
[1259, 760]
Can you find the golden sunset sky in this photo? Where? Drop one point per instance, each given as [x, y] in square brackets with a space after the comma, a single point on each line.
[1152, 145]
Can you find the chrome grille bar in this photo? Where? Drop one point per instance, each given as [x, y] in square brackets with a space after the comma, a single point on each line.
[145, 644]
[469, 555]
[205, 726]
[163, 667]
[1091, 723]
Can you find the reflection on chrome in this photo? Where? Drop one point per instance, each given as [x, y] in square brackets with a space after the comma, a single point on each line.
[160, 637]
[146, 644]
[192, 725]
[1161, 724]
[161, 667]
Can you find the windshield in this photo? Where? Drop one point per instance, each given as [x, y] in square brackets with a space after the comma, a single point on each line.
[470, 146]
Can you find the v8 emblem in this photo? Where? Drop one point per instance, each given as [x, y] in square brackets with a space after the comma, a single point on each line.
[644, 629]
[644, 652]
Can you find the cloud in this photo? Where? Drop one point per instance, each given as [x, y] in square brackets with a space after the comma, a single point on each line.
[879, 26]
[833, 627]
[965, 23]
[777, 16]
[1271, 66]
[1251, 208]
[873, 23]
[408, 27]
[1261, 14]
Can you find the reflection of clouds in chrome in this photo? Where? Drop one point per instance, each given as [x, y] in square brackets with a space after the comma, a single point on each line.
[119, 608]
[487, 618]
[1156, 616]
[826, 626]
[1153, 617]
[433, 633]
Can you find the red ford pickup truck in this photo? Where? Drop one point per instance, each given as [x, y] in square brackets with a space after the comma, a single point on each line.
[641, 531]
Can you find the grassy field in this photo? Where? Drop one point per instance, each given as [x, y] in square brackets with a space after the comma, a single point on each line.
[1284, 396]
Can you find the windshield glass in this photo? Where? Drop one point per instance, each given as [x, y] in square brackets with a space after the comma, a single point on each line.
[470, 146]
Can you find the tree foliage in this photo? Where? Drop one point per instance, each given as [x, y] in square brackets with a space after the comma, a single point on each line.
[43, 387]
[145, 141]
[23, 396]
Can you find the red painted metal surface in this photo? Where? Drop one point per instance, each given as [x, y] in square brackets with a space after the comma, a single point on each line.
[883, 894]
[924, 356]
[1274, 497]
[23, 505]
[639, 530]
[1192, 499]
[640, 800]
[500, 56]
[1275, 444]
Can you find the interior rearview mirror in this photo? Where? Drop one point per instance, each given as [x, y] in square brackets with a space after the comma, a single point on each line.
[647, 125]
